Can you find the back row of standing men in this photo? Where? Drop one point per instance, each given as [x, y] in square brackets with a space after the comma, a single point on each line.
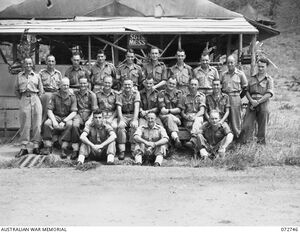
[132, 96]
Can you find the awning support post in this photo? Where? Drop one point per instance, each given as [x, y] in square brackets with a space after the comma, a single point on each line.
[253, 54]
[89, 50]
[240, 50]
[179, 42]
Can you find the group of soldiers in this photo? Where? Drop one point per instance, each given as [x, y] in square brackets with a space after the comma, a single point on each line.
[97, 111]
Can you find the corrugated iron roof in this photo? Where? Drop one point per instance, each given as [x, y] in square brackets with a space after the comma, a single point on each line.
[126, 25]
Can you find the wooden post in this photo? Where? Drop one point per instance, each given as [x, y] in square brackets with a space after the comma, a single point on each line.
[15, 51]
[37, 53]
[89, 50]
[179, 42]
[115, 52]
[228, 52]
[240, 49]
[253, 55]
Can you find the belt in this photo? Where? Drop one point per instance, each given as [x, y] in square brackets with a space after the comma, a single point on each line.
[256, 95]
[236, 93]
[49, 90]
[28, 93]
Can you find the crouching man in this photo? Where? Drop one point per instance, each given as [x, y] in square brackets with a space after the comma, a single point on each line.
[214, 137]
[151, 141]
[98, 139]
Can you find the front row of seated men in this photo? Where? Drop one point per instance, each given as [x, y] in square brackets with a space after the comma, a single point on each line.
[118, 115]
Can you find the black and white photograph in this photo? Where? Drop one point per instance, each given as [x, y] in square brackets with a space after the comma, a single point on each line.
[179, 115]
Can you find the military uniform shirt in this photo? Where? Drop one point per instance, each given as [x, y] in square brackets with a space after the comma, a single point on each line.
[169, 99]
[98, 135]
[157, 71]
[62, 106]
[233, 82]
[214, 135]
[192, 104]
[127, 101]
[152, 135]
[218, 104]
[149, 101]
[205, 79]
[75, 75]
[182, 75]
[132, 72]
[30, 83]
[86, 101]
[263, 87]
[98, 72]
[51, 82]
[107, 102]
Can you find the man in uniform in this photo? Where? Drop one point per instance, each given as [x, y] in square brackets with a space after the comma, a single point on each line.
[98, 139]
[181, 72]
[193, 108]
[218, 101]
[76, 71]
[169, 101]
[106, 99]
[101, 69]
[128, 106]
[149, 102]
[233, 82]
[130, 70]
[62, 109]
[51, 79]
[86, 104]
[151, 140]
[28, 88]
[206, 74]
[214, 137]
[156, 69]
[260, 90]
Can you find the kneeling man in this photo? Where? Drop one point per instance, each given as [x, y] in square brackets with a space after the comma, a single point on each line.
[151, 141]
[98, 139]
[214, 137]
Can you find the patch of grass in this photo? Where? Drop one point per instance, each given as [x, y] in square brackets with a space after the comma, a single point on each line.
[13, 163]
[292, 161]
[286, 106]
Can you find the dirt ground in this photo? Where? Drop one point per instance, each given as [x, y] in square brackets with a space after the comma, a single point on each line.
[148, 196]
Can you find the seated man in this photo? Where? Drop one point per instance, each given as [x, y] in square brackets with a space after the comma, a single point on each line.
[169, 101]
[214, 137]
[152, 140]
[86, 104]
[106, 99]
[98, 139]
[218, 101]
[128, 106]
[148, 102]
[62, 109]
[193, 107]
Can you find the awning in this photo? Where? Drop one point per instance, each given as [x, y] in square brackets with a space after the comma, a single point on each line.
[127, 25]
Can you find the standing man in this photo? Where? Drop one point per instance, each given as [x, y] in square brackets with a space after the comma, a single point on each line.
[149, 102]
[181, 72]
[106, 99]
[152, 140]
[101, 69]
[86, 104]
[206, 74]
[260, 90]
[130, 70]
[51, 79]
[98, 139]
[76, 71]
[217, 101]
[214, 137]
[62, 109]
[193, 108]
[233, 82]
[128, 106]
[156, 69]
[28, 88]
[169, 101]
